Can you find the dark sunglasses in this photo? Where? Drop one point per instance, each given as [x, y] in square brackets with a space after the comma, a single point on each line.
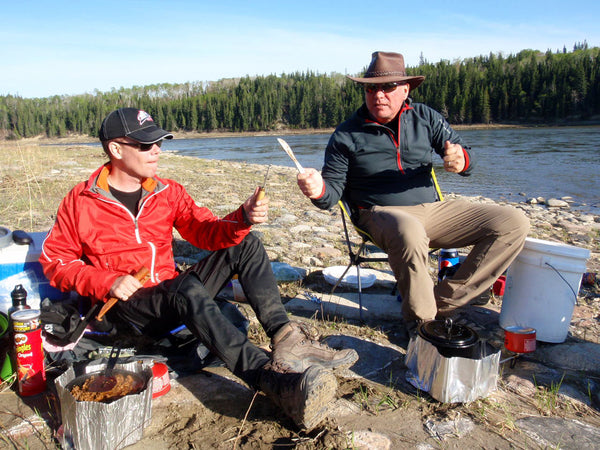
[140, 147]
[386, 87]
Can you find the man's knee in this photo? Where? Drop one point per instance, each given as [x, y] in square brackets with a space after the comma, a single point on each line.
[251, 244]
[251, 241]
[522, 222]
[400, 231]
[188, 289]
[516, 223]
[410, 234]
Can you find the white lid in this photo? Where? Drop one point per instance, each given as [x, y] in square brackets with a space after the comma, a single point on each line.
[24, 315]
[556, 248]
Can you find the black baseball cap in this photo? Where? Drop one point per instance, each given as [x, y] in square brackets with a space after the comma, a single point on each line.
[134, 123]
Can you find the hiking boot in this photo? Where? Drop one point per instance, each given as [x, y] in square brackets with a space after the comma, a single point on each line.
[294, 346]
[304, 397]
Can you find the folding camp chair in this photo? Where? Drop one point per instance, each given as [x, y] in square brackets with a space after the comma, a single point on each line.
[358, 257]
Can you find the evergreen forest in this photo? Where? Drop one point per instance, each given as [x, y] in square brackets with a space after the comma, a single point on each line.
[530, 87]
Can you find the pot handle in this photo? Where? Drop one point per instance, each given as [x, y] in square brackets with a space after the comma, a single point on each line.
[448, 324]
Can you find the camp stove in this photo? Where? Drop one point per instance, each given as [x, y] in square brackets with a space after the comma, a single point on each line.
[451, 362]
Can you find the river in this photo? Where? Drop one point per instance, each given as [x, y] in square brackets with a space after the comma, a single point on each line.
[540, 162]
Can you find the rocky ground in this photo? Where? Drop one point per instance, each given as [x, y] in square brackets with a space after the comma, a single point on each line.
[546, 399]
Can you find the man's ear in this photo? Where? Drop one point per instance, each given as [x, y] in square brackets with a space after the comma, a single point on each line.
[115, 149]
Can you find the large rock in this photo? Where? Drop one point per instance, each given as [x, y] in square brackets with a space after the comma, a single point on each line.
[555, 432]
[556, 203]
[583, 356]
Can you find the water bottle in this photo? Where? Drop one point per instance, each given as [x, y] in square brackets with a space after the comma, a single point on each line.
[19, 302]
[19, 299]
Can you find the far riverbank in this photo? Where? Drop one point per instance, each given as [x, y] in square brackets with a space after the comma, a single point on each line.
[78, 138]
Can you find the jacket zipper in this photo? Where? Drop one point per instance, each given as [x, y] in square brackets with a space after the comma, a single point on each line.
[397, 142]
[153, 275]
[391, 134]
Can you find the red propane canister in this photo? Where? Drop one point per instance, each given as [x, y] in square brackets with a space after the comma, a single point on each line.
[161, 382]
[520, 339]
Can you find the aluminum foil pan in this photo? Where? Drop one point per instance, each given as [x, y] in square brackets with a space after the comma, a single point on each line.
[105, 426]
[455, 379]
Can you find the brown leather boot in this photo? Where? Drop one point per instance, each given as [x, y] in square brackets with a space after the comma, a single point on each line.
[304, 397]
[294, 346]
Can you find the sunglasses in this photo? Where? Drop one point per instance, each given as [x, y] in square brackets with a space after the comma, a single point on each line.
[386, 87]
[140, 147]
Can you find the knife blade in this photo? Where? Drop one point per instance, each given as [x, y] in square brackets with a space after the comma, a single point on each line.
[261, 192]
[290, 153]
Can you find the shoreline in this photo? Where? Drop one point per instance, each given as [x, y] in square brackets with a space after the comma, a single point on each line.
[210, 183]
[84, 139]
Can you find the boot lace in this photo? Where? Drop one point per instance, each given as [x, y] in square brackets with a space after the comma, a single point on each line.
[279, 366]
[311, 335]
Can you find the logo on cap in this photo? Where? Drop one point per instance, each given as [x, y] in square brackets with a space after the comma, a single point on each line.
[143, 116]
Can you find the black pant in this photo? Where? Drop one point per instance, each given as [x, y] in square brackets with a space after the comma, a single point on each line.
[189, 299]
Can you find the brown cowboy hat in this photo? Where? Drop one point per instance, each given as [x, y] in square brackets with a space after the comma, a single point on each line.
[388, 67]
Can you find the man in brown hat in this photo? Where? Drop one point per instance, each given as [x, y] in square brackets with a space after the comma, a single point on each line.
[380, 160]
[122, 218]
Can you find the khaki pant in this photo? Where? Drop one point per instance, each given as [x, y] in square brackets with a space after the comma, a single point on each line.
[406, 234]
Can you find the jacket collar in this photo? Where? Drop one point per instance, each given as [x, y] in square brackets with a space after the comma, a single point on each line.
[363, 113]
[149, 184]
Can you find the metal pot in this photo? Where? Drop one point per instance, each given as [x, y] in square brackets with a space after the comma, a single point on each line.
[138, 384]
[452, 339]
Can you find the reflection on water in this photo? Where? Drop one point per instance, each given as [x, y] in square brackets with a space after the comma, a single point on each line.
[547, 162]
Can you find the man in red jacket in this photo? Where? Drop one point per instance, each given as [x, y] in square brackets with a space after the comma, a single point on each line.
[123, 217]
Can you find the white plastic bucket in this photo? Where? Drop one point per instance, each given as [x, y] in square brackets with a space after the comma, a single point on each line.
[541, 288]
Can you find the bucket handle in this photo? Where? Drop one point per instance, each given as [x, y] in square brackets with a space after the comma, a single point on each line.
[563, 278]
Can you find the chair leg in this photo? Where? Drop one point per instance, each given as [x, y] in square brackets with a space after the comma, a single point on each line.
[339, 280]
[337, 283]
[360, 308]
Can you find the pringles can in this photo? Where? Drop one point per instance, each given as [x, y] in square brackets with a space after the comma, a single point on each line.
[448, 262]
[27, 334]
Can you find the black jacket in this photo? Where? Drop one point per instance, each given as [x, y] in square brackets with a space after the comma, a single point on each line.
[364, 161]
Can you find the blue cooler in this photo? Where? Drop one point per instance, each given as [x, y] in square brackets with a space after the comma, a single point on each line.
[22, 260]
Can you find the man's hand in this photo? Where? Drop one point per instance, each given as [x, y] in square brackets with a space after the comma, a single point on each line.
[256, 210]
[124, 287]
[310, 183]
[454, 158]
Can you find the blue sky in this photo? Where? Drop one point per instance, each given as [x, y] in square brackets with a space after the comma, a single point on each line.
[74, 47]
